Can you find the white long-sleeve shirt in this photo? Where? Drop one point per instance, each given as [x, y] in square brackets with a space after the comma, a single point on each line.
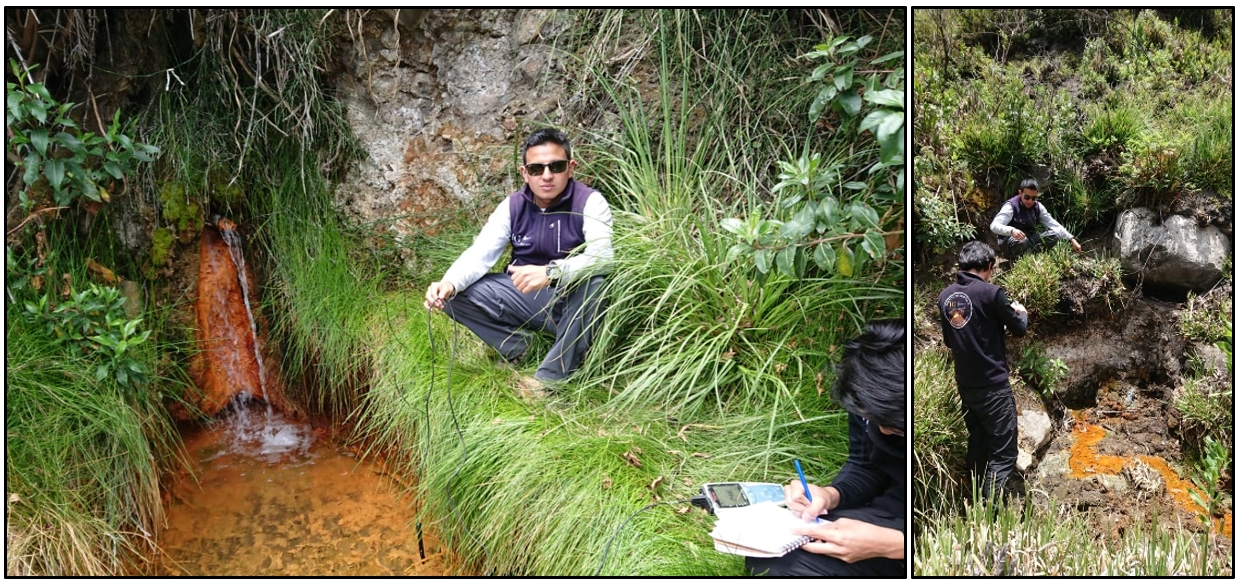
[491, 242]
[1000, 224]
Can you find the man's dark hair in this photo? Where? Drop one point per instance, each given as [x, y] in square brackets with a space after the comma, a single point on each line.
[975, 255]
[869, 380]
[1029, 184]
[543, 136]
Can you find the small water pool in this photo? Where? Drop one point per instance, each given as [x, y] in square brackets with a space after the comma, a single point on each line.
[276, 497]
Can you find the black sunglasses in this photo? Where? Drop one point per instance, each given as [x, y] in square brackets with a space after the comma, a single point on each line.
[1029, 197]
[557, 166]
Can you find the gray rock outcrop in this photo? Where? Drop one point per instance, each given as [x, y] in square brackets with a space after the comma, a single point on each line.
[1172, 253]
[1034, 434]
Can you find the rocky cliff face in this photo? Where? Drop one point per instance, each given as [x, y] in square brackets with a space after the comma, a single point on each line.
[437, 100]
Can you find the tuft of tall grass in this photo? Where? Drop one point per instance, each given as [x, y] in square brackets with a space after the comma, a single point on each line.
[1111, 129]
[687, 330]
[939, 438]
[82, 462]
[1210, 153]
[322, 288]
[1040, 280]
[1048, 538]
[539, 489]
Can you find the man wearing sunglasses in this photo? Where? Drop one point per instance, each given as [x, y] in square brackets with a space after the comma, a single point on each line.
[560, 233]
[1016, 222]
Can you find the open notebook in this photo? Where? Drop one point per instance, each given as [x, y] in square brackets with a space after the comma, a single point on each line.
[760, 530]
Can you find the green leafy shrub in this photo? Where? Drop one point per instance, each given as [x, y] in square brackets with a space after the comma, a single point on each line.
[825, 212]
[48, 145]
[92, 323]
[938, 225]
[1041, 372]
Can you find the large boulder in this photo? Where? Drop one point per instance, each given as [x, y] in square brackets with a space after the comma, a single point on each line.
[1173, 253]
[1035, 426]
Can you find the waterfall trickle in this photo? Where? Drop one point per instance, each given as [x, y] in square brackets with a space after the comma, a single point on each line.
[228, 230]
[230, 362]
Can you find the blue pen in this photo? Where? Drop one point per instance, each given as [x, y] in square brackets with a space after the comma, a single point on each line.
[804, 483]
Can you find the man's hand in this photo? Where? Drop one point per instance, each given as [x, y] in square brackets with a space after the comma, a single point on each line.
[1075, 245]
[1017, 234]
[852, 540]
[438, 292]
[824, 499]
[529, 278]
[1019, 308]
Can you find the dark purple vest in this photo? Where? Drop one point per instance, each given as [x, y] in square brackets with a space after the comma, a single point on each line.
[541, 235]
[1024, 219]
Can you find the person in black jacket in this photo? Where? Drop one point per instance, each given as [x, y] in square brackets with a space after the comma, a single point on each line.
[865, 503]
[974, 316]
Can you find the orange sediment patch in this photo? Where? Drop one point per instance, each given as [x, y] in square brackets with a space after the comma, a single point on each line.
[1223, 525]
[1085, 461]
[1180, 489]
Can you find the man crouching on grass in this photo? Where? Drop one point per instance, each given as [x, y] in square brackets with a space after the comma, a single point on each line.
[865, 502]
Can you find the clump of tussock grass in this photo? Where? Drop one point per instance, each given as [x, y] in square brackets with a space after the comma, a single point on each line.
[937, 447]
[1049, 538]
[82, 462]
[324, 286]
[1041, 280]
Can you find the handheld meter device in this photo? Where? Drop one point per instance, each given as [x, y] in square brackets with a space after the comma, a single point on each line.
[721, 496]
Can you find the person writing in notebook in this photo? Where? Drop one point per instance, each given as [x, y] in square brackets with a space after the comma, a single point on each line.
[864, 504]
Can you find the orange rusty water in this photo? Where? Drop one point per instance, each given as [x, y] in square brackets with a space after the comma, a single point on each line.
[1085, 461]
[278, 498]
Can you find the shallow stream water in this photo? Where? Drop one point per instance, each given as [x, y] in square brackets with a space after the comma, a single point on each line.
[276, 497]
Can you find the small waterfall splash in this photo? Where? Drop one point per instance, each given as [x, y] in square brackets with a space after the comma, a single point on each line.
[228, 230]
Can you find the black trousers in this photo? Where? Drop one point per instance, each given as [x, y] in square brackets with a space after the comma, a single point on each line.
[800, 563]
[989, 414]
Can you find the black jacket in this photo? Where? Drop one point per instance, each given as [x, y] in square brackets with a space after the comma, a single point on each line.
[974, 314]
[875, 472]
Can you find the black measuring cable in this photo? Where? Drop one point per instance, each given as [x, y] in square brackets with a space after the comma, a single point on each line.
[426, 424]
[391, 330]
[464, 450]
[607, 549]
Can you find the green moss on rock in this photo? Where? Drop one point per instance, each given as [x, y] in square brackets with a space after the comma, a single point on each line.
[161, 246]
[180, 210]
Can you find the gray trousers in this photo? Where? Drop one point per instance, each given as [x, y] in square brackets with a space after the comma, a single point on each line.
[507, 319]
[1031, 241]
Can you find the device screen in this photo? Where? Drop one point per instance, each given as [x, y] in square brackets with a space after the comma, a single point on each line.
[729, 495]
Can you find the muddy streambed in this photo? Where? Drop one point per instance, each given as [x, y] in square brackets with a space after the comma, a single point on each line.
[276, 497]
